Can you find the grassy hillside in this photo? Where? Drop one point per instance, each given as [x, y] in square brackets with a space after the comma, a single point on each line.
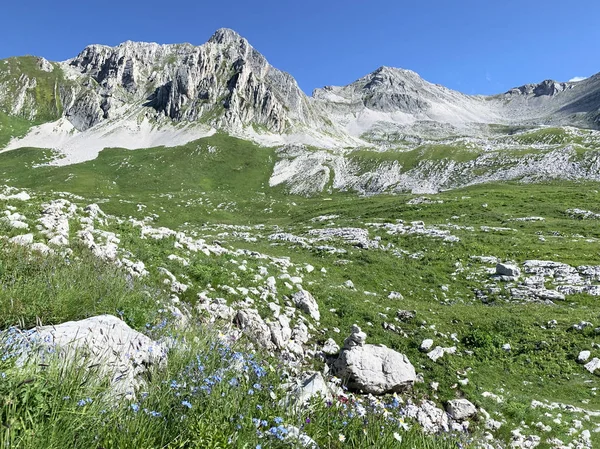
[218, 181]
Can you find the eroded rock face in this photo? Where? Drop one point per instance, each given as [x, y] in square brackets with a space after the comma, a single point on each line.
[374, 369]
[226, 78]
[102, 344]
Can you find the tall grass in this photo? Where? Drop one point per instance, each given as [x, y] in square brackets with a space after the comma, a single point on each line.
[214, 392]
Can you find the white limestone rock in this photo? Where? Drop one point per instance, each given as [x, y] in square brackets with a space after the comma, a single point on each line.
[281, 332]
[504, 269]
[426, 345]
[438, 352]
[584, 356]
[374, 369]
[593, 365]
[460, 409]
[304, 301]
[250, 321]
[311, 385]
[103, 344]
[429, 416]
[23, 240]
[330, 347]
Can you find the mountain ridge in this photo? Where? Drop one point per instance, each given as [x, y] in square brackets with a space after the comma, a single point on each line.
[226, 84]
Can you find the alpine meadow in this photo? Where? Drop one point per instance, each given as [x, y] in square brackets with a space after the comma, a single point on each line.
[195, 254]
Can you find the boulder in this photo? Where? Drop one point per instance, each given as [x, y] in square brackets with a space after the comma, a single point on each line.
[460, 409]
[504, 269]
[250, 321]
[306, 302]
[17, 224]
[103, 344]
[313, 384]
[300, 333]
[281, 332]
[374, 369]
[330, 347]
[24, 239]
[426, 344]
[584, 356]
[406, 315]
[593, 365]
[431, 418]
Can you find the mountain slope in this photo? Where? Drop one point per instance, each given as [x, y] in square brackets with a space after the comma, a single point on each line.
[225, 77]
[138, 95]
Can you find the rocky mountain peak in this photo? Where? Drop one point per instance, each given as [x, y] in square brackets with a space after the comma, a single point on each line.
[225, 79]
[547, 88]
[394, 72]
[225, 36]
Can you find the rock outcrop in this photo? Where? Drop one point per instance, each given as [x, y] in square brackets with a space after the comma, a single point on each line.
[225, 81]
[306, 302]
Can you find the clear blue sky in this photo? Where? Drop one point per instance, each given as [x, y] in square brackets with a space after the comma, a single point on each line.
[484, 46]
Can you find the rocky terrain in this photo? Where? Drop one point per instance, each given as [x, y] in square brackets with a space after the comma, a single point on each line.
[291, 290]
[381, 264]
[138, 95]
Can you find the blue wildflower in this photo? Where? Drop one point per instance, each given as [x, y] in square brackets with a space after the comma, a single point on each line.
[186, 404]
[135, 407]
[83, 402]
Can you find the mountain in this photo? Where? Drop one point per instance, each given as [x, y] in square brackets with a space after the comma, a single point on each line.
[137, 95]
[226, 78]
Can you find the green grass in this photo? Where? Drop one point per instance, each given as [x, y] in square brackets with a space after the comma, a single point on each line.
[547, 136]
[212, 393]
[369, 160]
[42, 101]
[11, 126]
[54, 289]
[192, 189]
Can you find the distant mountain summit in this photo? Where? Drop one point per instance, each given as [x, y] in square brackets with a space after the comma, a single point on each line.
[225, 84]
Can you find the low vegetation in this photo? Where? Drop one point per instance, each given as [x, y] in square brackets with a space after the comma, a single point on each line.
[217, 189]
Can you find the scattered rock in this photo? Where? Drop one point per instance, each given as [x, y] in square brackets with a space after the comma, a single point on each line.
[406, 315]
[312, 385]
[330, 347]
[24, 240]
[460, 409]
[503, 269]
[593, 365]
[395, 295]
[439, 352]
[306, 302]
[584, 356]
[426, 345]
[373, 369]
